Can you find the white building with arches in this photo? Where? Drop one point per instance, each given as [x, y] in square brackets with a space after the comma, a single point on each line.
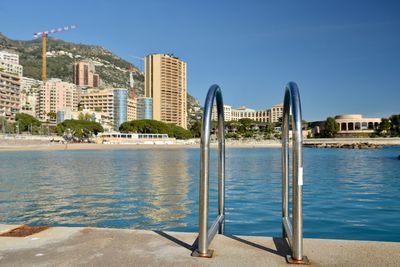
[355, 123]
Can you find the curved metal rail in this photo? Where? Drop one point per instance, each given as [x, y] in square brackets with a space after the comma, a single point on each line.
[207, 235]
[292, 116]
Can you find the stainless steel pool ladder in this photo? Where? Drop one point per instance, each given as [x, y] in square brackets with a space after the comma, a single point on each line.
[291, 113]
[293, 231]
[206, 235]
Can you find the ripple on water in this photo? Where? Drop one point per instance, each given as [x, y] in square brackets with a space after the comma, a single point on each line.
[349, 194]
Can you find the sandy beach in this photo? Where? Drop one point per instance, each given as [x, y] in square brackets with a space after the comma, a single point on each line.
[37, 145]
[83, 146]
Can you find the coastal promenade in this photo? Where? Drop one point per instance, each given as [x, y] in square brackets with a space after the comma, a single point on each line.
[45, 143]
[64, 246]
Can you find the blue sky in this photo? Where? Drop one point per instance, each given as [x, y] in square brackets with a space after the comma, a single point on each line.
[344, 55]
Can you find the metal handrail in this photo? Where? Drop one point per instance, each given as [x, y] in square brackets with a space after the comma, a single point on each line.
[207, 235]
[293, 231]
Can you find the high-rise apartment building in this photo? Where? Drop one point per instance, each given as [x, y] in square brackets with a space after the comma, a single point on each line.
[98, 100]
[96, 81]
[84, 74]
[55, 95]
[144, 108]
[9, 95]
[131, 108]
[165, 83]
[115, 102]
[10, 78]
[9, 62]
[120, 107]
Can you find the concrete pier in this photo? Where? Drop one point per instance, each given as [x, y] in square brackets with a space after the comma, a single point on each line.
[64, 246]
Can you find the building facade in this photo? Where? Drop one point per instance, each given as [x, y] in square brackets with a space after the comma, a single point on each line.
[235, 114]
[131, 108]
[165, 83]
[247, 113]
[55, 95]
[276, 112]
[115, 102]
[9, 57]
[100, 117]
[227, 113]
[9, 62]
[144, 108]
[355, 123]
[29, 95]
[98, 100]
[10, 82]
[84, 74]
[120, 107]
[9, 95]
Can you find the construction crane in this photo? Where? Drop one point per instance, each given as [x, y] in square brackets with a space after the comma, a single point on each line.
[139, 58]
[44, 38]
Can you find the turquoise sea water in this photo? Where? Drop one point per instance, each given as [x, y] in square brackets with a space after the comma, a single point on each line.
[348, 194]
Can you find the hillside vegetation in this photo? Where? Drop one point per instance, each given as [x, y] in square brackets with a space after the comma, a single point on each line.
[112, 69]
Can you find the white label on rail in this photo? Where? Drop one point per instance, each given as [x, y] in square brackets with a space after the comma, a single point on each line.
[300, 177]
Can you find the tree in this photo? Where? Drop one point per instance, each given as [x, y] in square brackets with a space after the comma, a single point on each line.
[331, 127]
[85, 117]
[279, 122]
[195, 129]
[26, 122]
[269, 130]
[384, 127]
[80, 129]
[6, 127]
[395, 129]
[52, 116]
[155, 127]
[244, 125]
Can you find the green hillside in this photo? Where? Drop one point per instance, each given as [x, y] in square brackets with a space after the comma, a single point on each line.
[112, 69]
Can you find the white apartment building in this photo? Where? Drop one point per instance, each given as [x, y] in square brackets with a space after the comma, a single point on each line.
[29, 95]
[256, 115]
[9, 62]
[235, 114]
[276, 112]
[227, 113]
[9, 57]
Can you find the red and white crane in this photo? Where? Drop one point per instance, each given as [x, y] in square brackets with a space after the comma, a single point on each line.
[44, 37]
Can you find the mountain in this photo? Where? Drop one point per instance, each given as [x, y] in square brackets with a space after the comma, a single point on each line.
[61, 55]
[112, 69]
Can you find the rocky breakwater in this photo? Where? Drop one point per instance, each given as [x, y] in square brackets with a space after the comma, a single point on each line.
[364, 145]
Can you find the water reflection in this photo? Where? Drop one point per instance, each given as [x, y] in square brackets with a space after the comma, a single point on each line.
[169, 187]
[354, 192]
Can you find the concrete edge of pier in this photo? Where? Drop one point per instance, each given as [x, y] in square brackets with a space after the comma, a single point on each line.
[70, 246]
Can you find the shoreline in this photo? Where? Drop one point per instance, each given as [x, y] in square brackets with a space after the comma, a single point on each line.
[86, 146]
[36, 145]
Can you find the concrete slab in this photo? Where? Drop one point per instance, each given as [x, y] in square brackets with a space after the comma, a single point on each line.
[120, 247]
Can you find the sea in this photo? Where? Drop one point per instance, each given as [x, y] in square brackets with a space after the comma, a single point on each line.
[349, 194]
